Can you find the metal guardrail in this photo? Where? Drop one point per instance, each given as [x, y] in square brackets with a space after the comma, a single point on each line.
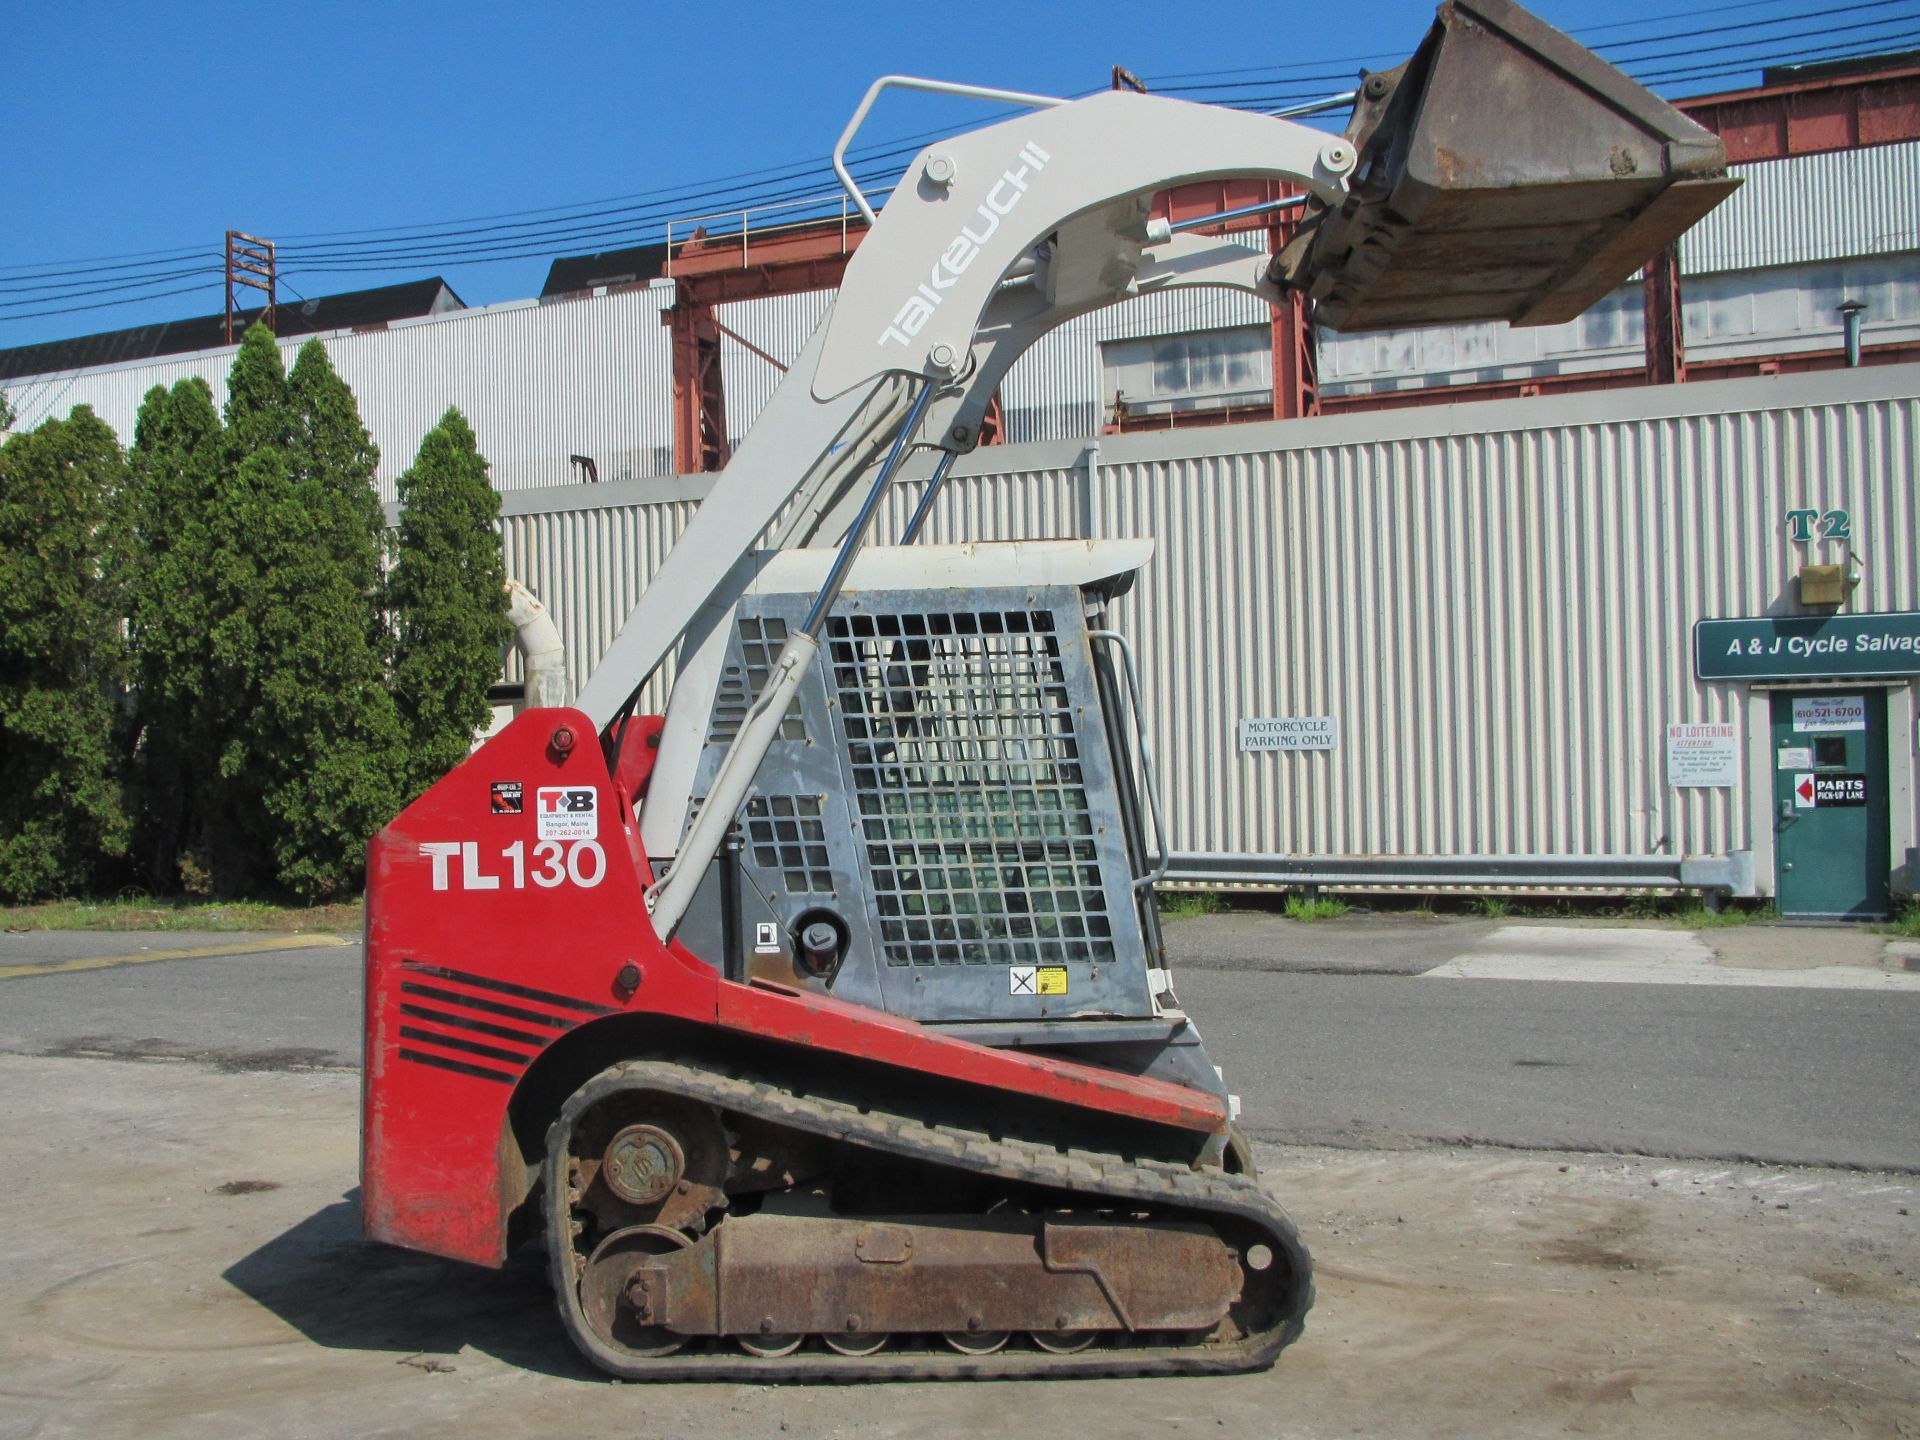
[749, 231]
[1730, 874]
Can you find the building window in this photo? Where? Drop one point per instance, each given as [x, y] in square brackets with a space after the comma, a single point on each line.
[1203, 370]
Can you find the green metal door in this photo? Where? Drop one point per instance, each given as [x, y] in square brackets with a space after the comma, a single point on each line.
[1830, 802]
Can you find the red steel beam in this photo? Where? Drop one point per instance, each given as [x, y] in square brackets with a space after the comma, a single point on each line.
[1809, 117]
[1521, 389]
[699, 394]
[1665, 322]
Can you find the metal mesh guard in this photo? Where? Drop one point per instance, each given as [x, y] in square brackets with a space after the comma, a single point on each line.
[788, 838]
[970, 797]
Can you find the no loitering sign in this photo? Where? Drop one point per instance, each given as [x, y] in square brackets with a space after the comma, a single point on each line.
[1703, 756]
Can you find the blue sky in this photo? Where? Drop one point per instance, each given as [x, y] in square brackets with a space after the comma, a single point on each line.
[141, 128]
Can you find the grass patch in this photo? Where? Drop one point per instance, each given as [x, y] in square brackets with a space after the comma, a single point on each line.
[148, 914]
[1189, 904]
[1690, 912]
[1700, 917]
[1492, 907]
[1907, 922]
[1302, 907]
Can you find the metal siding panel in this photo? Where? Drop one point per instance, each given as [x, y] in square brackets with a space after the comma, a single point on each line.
[1812, 207]
[589, 567]
[1055, 391]
[538, 382]
[780, 325]
[114, 393]
[1502, 620]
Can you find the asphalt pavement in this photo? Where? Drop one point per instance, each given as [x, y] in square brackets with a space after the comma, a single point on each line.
[259, 1005]
[1366, 1033]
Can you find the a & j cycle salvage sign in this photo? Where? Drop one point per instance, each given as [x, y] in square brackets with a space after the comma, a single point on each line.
[1802, 647]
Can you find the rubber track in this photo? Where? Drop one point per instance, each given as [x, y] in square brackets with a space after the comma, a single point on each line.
[1093, 1174]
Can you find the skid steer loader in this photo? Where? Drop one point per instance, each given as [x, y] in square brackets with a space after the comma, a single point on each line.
[821, 1025]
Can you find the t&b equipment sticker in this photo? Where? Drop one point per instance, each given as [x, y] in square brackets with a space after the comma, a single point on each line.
[566, 812]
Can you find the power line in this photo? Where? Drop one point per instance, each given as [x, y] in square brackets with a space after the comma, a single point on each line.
[50, 292]
[1158, 81]
[1806, 57]
[112, 304]
[1268, 78]
[676, 194]
[622, 221]
[640, 229]
[1724, 48]
[161, 256]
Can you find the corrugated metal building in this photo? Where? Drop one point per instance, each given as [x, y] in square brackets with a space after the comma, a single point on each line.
[1494, 604]
[543, 381]
[540, 383]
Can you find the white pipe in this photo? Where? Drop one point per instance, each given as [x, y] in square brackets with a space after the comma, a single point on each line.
[1094, 507]
[540, 646]
[668, 899]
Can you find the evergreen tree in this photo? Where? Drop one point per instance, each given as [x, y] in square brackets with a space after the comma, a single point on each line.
[332, 447]
[449, 600]
[61, 809]
[174, 469]
[309, 770]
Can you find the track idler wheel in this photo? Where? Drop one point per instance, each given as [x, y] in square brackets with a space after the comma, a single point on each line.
[614, 1290]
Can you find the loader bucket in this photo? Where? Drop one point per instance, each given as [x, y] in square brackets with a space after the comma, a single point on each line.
[1505, 172]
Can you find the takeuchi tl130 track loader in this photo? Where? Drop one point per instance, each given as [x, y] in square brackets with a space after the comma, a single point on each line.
[822, 1025]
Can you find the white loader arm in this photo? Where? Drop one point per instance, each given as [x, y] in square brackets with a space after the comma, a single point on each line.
[1502, 173]
[1047, 215]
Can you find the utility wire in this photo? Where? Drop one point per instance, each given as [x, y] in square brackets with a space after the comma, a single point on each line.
[1825, 14]
[1270, 78]
[51, 292]
[1809, 57]
[111, 304]
[1159, 81]
[639, 218]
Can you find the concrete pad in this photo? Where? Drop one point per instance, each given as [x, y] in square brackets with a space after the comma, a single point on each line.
[1626, 955]
[1798, 947]
[1394, 943]
[183, 1261]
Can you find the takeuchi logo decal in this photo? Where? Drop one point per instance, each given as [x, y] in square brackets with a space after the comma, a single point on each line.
[1007, 192]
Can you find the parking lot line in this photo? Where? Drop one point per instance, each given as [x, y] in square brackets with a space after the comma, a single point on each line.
[141, 957]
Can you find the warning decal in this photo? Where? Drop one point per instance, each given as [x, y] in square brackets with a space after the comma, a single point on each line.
[1036, 979]
[567, 813]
